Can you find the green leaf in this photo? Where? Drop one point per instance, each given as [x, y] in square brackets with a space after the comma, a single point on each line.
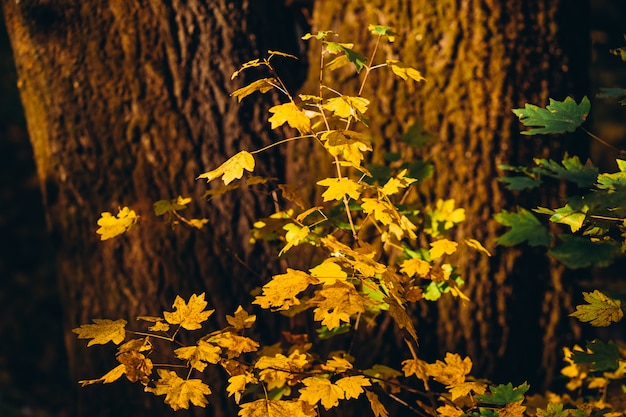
[557, 117]
[553, 410]
[383, 31]
[504, 394]
[566, 215]
[524, 227]
[615, 180]
[520, 183]
[324, 333]
[416, 136]
[581, 252]
[570, 169]
[356, 58]
[601, 356]
[601, 310]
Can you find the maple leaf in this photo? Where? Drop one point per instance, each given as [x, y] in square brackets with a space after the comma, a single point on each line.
[290, 113]
[378, 408]
[450, 411]
[394, 185]
[384, 212]
[237, 384]
[601, 356]
[444, 216]
[241, 320]
[524, 227]
[382, 31]
[188, 315]
[346, 106]
[321, 390]
[277, 408]
[515, 409]
[464, 388]
[339, 187]
[504, 394]
[415, 266]
[553, 410]
[557, 117]
[416, 367]
[352, 386]
[159, 324]
[601, 310]
[198, 356]
[263, 85]
[280, 367]
[282, 291]
[295, 238]
[404, 71]
[111, 226]
[169, 206]
[137, 366]
[234, 344]
[336, 303]
[441, 247]
[111, 376]
[452, 371]
[102, 332]
[232, 169]
[328, 272]
[180, 392]
[346, 143]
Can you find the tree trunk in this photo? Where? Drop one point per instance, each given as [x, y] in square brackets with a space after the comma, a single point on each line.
[126, 103]
[480, 58]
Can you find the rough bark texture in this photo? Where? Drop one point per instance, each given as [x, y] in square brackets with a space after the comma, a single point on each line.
[126, 103]
[481, 58]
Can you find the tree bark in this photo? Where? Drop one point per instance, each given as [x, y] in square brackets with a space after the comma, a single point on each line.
[480, 58]
[126, 103]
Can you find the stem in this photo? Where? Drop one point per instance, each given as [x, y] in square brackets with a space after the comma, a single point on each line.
[613, 219]
[602, 141]
[156, 336]
[280, 142]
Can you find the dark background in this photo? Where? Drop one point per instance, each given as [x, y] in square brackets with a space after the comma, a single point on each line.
[33, 377]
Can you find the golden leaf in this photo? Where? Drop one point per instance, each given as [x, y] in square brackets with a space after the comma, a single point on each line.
[337, 365]
[339, 187]
[198, 356]
[111, 376]
[416, 367]
[321, 390]
[263, 86]
[180, 392]
[232, 169]
[449, 411]
[348, 144]
[346, 106]
[277, 408]
[415, 266]
[352, 386]
[295, 238]
[452, 371]
[328, 272]
[111, 226]
[384, 212]
[464, 388]
[515, 409]
[601, 310]
[337, 303]
[394, 185]
[241, 320]
[378, 408]
[102, 332]
[473, 243]
[188, 315]
[234, 344]
[281, 368]
[137, 366]
[237, 384]
[290, 113]
[441, 247]
[404, 71]
[282, 291]
[291, 193]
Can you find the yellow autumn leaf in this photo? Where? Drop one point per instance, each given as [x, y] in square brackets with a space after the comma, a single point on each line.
[250, 64]
[137, 366]
[329, 272]
[515, 409]
[102, 331]
[321, 390]
[383, 211]
[337, 365]
[180, 392]
[600, 311]
[237, 384]
[352, 386]
[413, 267]
[292, 115]
[449, 411]
[397, 183]
[188, 315]
[441, 247]
[200, 355]
[263, 86]
[111, 226]
[234, 344]
[347, 144]
[232, 169]
[277, 408]
[281, 368]
[416, 367]
[291, 193]
[473, 243]
[404, 71]
[346, 106]
[337, 303]
[452, 371]
[241, 320]
[294, 239]
[339, 187]
[197, 223]
[464, 388]
[111, 376]
[378, 408]
[282, 291]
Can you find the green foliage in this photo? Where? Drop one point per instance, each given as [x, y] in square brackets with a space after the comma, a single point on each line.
[601, 356]
[524, 228]
[557, 117]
